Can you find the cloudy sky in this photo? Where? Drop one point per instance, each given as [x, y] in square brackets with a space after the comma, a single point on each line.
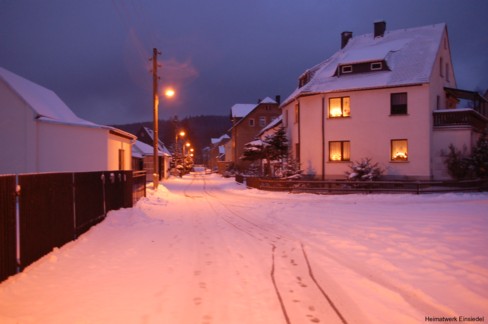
[95, 53]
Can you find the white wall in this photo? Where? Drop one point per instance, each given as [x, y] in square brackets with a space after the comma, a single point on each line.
[116, 143]
[72, 148]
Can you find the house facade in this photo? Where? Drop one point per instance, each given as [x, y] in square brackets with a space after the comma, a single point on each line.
[39, 133]
[379, 97]
[144, 153]
[247, 121]
[217, 152]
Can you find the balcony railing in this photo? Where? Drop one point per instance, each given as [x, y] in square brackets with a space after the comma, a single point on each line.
[460, 117]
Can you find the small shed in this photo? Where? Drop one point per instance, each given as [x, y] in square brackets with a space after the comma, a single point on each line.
[40, 133]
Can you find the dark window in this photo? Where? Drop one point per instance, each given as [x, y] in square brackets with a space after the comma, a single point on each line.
[398, 103]
[376, 66]
[346, 69]
[251, 122]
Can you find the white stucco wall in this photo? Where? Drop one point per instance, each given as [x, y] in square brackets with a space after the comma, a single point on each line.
[71, 148]
[17, 133]
[116, 143]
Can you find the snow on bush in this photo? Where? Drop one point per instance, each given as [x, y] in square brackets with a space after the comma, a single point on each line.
[364, 170]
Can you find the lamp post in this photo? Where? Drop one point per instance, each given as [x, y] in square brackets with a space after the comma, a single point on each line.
[155, 118]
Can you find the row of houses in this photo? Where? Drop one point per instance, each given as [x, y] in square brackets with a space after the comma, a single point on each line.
[390, 96]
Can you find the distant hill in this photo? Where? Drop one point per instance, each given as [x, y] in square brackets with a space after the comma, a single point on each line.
[199, 129]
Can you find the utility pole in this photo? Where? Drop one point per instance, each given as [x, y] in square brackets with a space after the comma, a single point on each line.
[155, 117]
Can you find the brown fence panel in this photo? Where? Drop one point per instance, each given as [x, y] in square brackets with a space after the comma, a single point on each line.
[46, 214]
[128, 185]
[138, 185]
[8, 261]
[89, 209]
[114, 190]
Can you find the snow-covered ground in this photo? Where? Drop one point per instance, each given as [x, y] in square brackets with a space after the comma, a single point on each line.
[204, 249]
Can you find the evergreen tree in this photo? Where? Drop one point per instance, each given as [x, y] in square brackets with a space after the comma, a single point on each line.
[479, 157]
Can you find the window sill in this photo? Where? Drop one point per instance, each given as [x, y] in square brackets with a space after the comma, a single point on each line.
[330, 161]
[391, 161]
[395, 115]
[345, 117]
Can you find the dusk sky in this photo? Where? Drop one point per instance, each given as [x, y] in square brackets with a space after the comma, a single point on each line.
[95, 54]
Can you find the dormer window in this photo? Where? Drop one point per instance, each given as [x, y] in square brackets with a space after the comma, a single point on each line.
[376, 66]
[346, 69]
[304, 79]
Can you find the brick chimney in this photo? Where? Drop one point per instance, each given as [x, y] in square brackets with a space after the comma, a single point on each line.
[379, 28]
[345, 37]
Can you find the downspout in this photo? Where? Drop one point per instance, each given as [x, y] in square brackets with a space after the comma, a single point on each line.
[323, 138]
[299, 158]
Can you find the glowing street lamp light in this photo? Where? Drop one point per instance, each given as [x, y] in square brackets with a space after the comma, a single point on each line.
[169, 92]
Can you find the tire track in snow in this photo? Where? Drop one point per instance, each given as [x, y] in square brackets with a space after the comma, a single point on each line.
[250, 228]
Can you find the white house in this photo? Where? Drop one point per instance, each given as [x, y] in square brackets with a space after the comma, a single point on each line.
[390, 96]
[144, 151]
[39, 133]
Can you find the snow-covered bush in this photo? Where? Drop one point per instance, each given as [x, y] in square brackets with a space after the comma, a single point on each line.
[364, 170]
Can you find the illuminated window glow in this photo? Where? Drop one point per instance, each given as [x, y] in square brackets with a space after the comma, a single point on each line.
[339, 151]
[399, 150]
[339, 107]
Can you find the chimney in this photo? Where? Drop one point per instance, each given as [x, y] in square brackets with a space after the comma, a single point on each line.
[345, 37]
[278, 99]
[379, 28]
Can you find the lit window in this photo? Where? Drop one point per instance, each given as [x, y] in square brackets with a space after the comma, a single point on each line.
[398, 104]
[399, 150]
[339, 107]
[339, 151]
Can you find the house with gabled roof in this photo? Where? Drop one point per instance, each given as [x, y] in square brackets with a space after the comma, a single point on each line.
[40, 133]
[388, 95]
[247, 121]
[217, 152]
[144, 154]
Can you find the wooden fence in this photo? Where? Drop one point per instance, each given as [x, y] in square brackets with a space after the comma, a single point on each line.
[55, 208]
[344, 186]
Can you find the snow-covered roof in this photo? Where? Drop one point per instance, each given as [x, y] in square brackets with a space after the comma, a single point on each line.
[409, 54]
[241, 110]
[47, 106]
[220, 139]
[44, 102]
[161, 146]
[140, 149]
[268, 100]
[272, 124]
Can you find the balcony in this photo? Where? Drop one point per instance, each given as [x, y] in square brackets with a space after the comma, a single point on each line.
[466, 117]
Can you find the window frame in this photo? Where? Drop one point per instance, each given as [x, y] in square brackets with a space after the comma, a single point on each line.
[344, 156]
[345, 69]
[379, 66]
[398, 109]
[399, 159]
[329, 115]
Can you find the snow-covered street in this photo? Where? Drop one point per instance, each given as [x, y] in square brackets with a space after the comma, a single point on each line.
[206, 250]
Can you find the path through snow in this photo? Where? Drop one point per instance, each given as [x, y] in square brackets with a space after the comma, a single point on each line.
[203, 249]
